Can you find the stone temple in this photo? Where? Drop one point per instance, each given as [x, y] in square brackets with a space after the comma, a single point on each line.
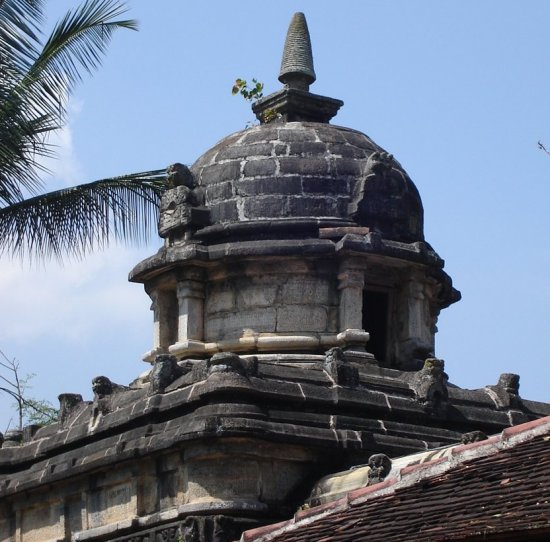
[295, 303]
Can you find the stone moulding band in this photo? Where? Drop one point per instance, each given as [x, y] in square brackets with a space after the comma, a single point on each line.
[160, 518]
[265, 342]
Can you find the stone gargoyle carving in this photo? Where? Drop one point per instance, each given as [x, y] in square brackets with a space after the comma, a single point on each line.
[380, 467]
[473, 436]
[229, 362]
[103, 389]
[102, 386]
[340, 370]
[179, 175]
[180, 204]
[164, 372]
[68, 403]
[430, 385]
[506, 392]
[386, 200]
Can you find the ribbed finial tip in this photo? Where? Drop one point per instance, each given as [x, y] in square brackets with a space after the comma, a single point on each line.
[297, 64]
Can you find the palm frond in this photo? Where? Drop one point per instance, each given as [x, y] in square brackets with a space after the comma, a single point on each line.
[19, 27]
[35, 81]
[76, 220]
[78, 42]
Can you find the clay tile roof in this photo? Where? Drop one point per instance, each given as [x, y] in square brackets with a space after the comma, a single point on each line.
[497, 489]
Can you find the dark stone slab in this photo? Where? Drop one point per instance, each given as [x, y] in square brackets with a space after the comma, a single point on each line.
[301, 166]
[216, 173]
[259, 168]
[325, 185]
[290, 185]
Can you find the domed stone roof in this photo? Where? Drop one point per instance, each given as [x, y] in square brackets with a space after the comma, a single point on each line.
[308, 171]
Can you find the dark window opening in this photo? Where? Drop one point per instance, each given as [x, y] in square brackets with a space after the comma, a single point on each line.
[375, 321]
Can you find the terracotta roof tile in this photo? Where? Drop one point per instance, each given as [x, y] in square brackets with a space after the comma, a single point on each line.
[495, 489]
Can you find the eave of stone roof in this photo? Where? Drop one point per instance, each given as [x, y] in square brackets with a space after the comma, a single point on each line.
[379, 412]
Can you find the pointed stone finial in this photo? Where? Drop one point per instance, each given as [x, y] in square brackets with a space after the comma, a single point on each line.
[297, 64]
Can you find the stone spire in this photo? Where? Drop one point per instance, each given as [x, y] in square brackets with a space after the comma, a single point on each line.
[294, 102]
[297, 64]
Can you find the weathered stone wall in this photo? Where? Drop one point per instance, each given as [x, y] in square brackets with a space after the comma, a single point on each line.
[289, 296]
[211, 476]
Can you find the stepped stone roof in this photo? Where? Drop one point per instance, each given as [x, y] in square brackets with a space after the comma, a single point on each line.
[494, 489]
[284, 398]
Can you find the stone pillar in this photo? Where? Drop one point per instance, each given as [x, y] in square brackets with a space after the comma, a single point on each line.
[351, 281]
[164, 323]
[190, 292]
[416, 339]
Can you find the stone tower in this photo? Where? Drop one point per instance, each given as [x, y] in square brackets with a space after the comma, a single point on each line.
[295, 303]
[293, 237]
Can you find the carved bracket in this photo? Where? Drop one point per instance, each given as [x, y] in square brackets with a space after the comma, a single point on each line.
[430, 385]
[341, 371]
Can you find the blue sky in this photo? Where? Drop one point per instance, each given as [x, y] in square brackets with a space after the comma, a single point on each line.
[458, 91]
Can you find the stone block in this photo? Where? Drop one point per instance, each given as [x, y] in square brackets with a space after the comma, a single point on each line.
[261, 133]
[358, 140]
[299, 166]
[112, 503]
[325, 185]
[280, 149]
[266, 207]
[225, 211]
[305, 290]
[217, 173]
[244, 151]
[312, 206]
[237, 324]
[44, 522]
[301, 318]
[221, 479]
[219, 192]
[287, 342]
[259, 168]
[220, 300]
[347, 167]
[256, 296]
[307, 148]
[348, 151]
[270, 185]
[296, 135]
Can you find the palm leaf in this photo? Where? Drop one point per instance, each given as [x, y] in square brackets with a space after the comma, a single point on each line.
[76, 220]
[78, 42]
[35, 81]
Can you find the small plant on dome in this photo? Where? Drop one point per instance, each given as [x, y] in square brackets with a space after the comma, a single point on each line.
[250, 94]
[253, 94]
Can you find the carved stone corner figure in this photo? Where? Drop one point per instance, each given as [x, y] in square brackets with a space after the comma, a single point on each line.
[165, 371]
[380, 465]
[68, 403]
[509, 382]
[506, 392]
[379, 165]
[228, 362]
[386, 200]
[412, 354]
[102, 386]
[179, 206]
[341, 372]
[430, 385]
[12, 438]
[473, 436]
[179, 175]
